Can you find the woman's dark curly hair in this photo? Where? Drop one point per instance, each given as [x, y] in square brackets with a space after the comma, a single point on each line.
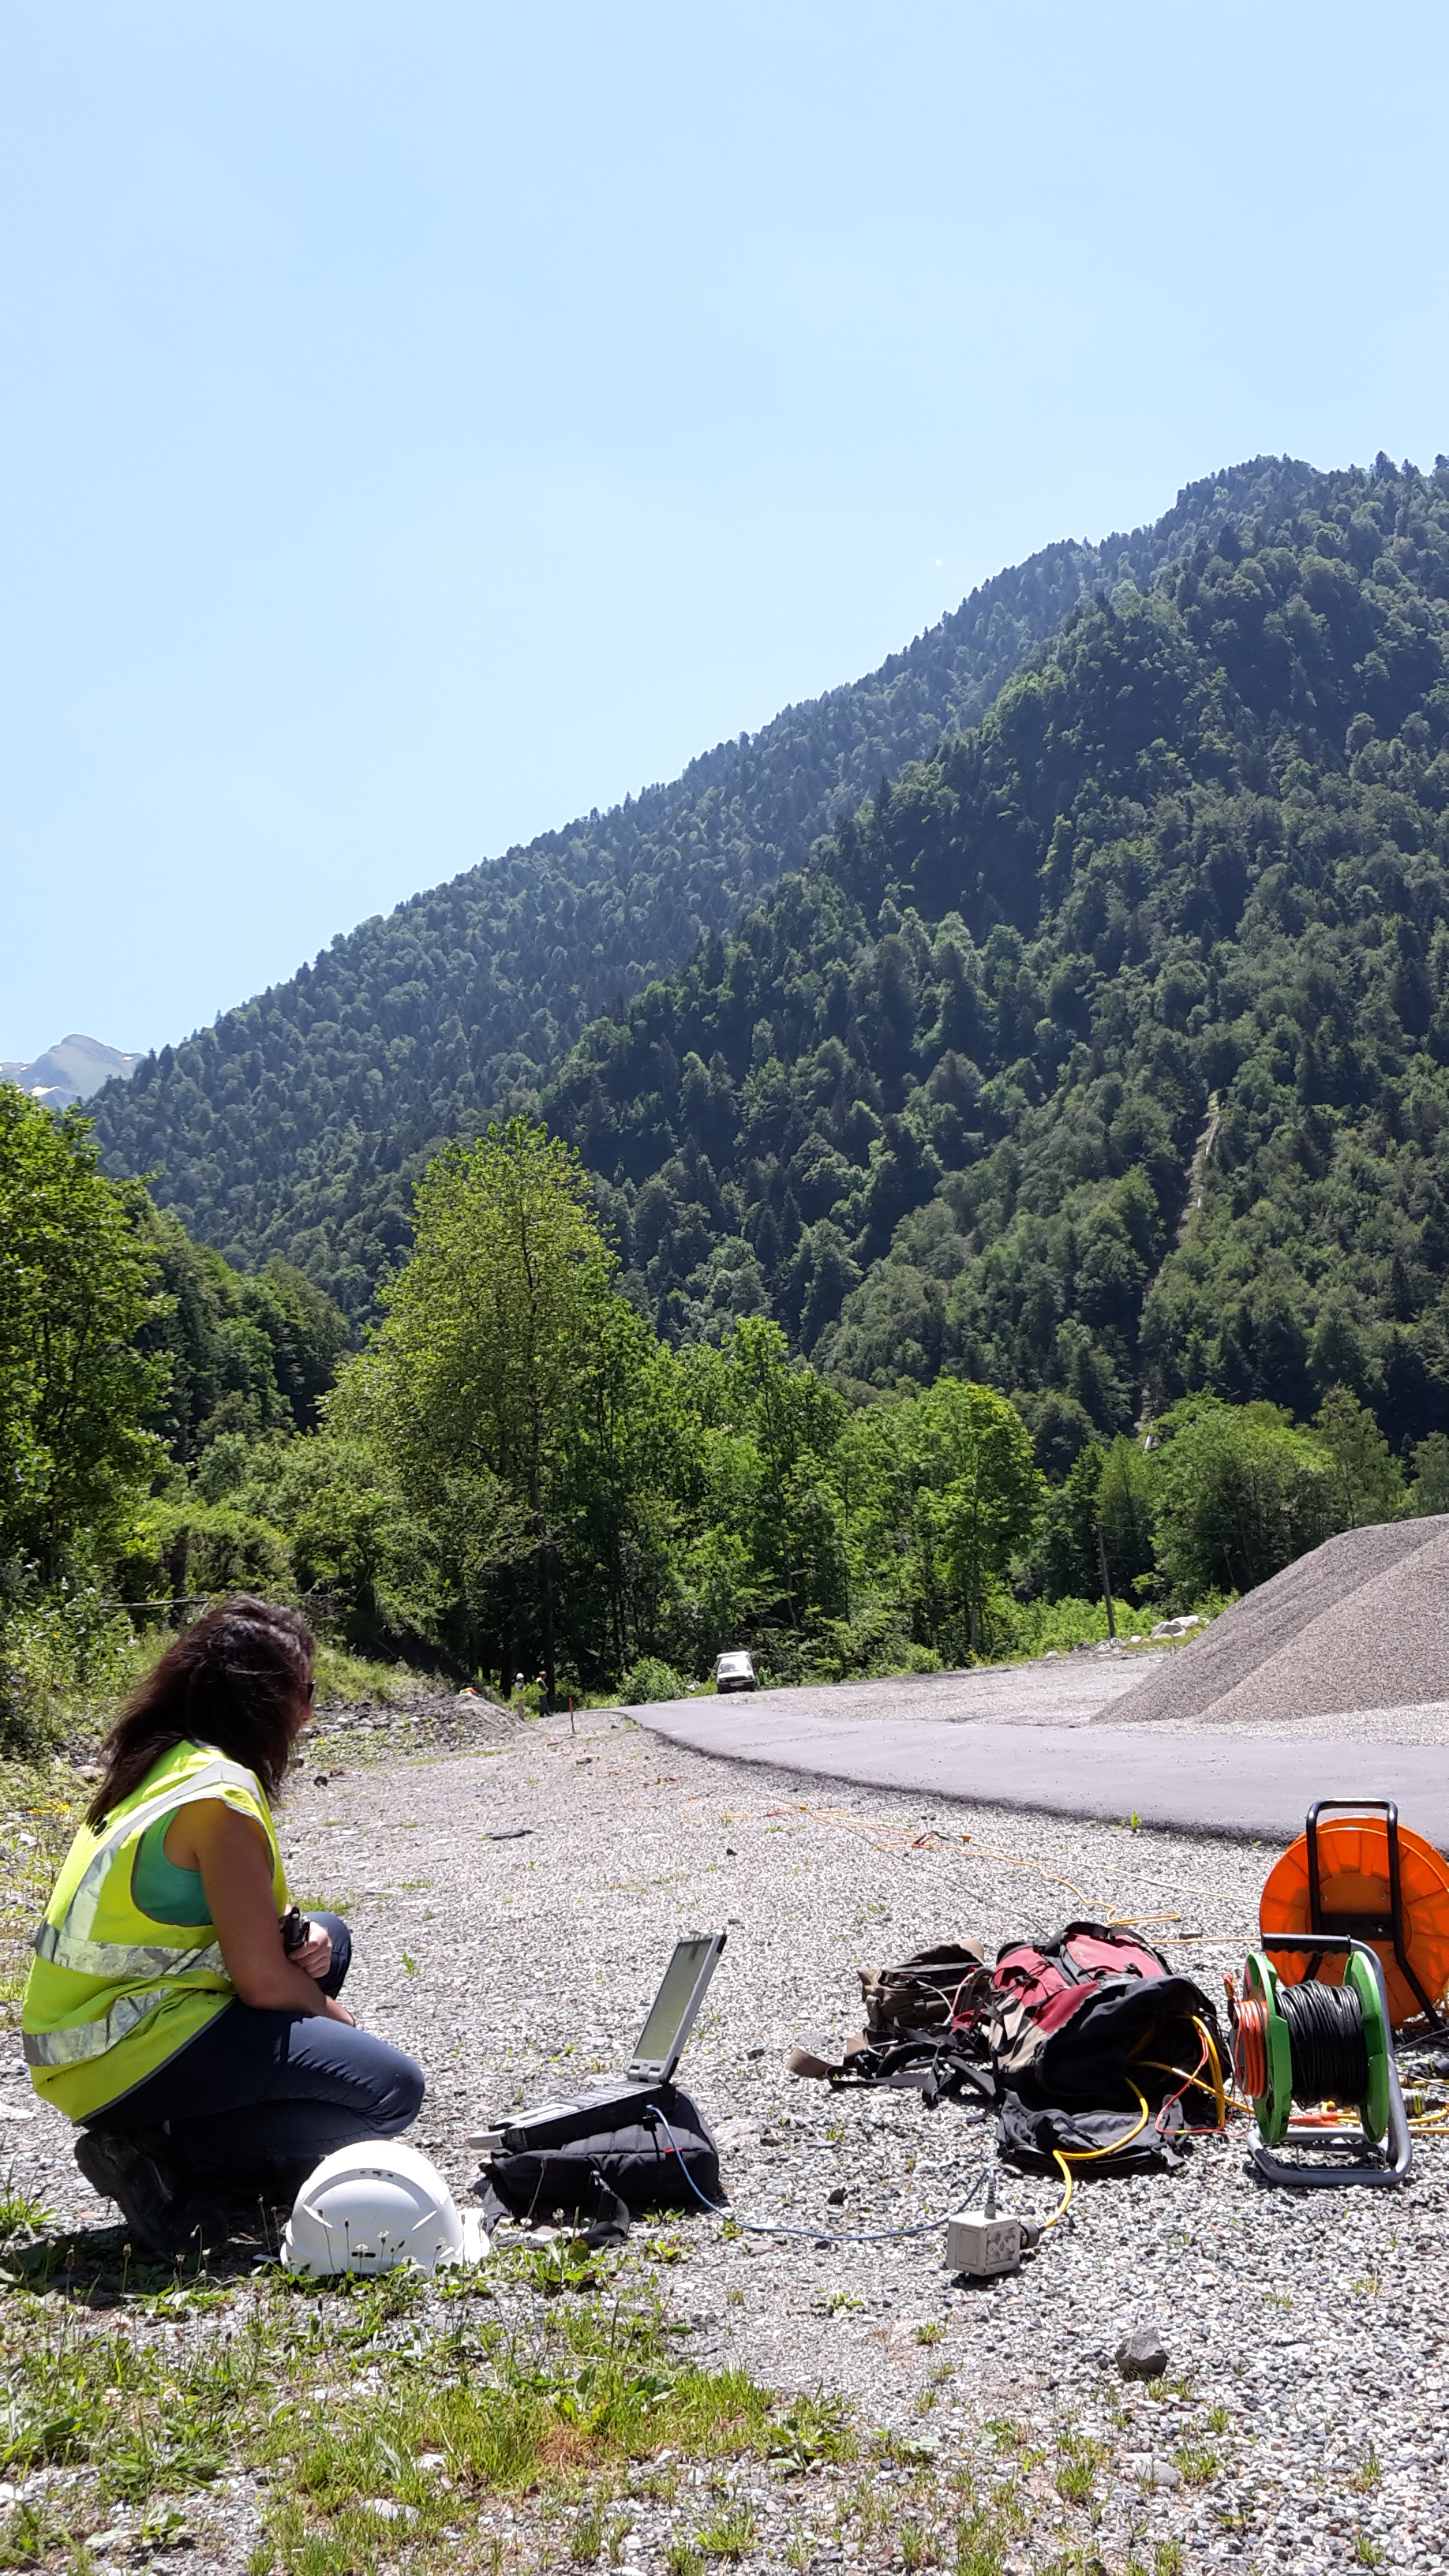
[239, 1678]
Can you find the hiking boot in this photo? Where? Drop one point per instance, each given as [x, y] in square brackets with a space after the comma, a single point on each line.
[149, 2193]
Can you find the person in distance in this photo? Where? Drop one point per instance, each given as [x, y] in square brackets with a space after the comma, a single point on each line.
[177, 2008]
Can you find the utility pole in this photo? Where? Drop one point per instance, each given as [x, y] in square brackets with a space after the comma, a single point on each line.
[1106, 1585]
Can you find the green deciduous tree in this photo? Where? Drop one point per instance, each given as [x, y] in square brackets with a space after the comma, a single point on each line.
[981, 1491]
[1126, 1514]
[78, 1292]
[1065, 1562]
[1241, 1493]
[1370, 1485]
[480, 1374]
[247, 1356]
[940, 1491]
[1429, 1491]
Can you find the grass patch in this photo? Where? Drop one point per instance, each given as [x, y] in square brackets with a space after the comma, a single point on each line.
[728, 2534]
[41, 1804]
[1080, 2460]
[19, 2214]
[1198, 2463]
[374, 2413]
[340, 1676]
[524, 2413]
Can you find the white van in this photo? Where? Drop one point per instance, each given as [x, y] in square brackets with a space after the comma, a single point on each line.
[735, 1671]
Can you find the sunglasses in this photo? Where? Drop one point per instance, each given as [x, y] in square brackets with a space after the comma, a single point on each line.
[310, 1693]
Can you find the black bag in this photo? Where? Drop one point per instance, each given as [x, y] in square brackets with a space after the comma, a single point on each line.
[1078, 2086]
[1030, 2138]
[1125, 2029]
[612, 2177]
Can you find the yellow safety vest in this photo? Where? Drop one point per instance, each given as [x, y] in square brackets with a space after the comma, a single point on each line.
[107, 2001]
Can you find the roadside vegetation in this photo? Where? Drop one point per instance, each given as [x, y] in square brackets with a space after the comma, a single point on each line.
[520, 2415]
[515, 1475]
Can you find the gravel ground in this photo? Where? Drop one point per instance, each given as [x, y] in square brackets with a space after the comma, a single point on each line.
[1426, 1724]
[513, 1908]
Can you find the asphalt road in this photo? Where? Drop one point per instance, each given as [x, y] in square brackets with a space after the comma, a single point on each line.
[1065, 1690]
[926, 1736]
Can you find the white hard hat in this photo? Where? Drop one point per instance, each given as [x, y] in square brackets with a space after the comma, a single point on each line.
[369, 2207]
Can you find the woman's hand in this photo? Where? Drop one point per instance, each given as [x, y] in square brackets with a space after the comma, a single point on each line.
[315, 1953]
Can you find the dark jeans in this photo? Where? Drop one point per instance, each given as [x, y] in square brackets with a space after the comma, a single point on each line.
[256, 2091]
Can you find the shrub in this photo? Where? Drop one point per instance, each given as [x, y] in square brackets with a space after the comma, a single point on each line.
[1060, 1625]
[193, 1550]
[648, 1680]
[65, 1652]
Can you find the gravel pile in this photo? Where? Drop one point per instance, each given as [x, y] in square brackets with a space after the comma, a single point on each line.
[513, 1910]
[1360, 1624]
[417, 1722]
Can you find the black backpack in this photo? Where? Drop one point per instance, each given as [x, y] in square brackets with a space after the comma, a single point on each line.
[606, 2180]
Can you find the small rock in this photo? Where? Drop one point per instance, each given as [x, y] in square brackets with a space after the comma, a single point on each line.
[1142, 2354]
[1150, 2472]
[388, 2509]
[836, 2199]
[737, 2132]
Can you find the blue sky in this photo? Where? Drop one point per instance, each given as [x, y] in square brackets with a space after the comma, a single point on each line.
[425, 422]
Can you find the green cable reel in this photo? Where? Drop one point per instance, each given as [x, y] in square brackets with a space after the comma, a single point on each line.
[1273, 2107]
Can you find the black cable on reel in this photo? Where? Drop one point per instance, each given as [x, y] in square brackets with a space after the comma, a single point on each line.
[1330, 2048]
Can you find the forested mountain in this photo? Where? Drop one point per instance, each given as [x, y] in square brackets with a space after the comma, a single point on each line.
[1102, 1056]
[296, 1124]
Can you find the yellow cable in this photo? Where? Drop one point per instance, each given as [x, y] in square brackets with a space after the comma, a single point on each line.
[1064, 2204]
[1094, 2155]
[1220, 2093]
[1066, 2157]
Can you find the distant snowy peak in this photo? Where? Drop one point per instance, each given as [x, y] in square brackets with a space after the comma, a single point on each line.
[70, 1071]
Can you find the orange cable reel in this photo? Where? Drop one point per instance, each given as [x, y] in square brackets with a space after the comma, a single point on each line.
[1354, 1890]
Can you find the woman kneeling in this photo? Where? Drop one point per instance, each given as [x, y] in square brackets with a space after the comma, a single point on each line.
[177, 2007]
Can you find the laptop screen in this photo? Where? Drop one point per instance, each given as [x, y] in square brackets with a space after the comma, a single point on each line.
[680, 1995]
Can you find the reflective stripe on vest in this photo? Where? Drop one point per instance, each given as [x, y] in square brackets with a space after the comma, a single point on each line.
[65, 1944]
[91, 2038]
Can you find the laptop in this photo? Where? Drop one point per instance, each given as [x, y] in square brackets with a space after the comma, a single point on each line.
[650, 2072]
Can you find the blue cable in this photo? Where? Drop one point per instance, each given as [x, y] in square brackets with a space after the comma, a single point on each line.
[763, 2227]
